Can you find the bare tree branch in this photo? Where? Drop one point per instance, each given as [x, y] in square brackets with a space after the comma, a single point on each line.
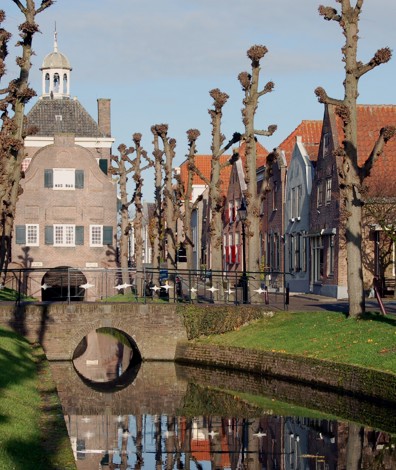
[271, 129]
[386, 134]
[325, 99]
[382, 56]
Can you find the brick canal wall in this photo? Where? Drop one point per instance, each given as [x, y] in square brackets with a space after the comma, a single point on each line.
[351, 379]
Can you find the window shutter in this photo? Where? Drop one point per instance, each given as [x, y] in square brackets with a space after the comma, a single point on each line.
[49, 235]
[103, 165]
[48, 178]
[79, 238]
[20, 234]
[79, 179]
[107, 235]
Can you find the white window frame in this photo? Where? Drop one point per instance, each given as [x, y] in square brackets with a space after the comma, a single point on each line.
[64, 179]
[68, 235]
[319, 194]
[237, 205]
[317, 259]
[92, 230]
[231, 211]
[32, 235]
[328, 191]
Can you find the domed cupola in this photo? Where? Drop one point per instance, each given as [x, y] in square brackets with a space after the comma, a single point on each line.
[56, 74]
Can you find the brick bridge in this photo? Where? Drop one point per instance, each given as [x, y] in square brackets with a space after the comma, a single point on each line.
[153, 329]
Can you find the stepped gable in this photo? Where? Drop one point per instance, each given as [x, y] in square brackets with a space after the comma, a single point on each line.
[53, 116]
[310, 132]
[371, 118]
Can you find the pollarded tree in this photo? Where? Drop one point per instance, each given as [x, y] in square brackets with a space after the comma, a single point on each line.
[12, 105]
[121, 166]
[352, 175]
[216, 199]
[185, 193]
[253, 197]
[168, 203]
[156, 226]
[137, 169]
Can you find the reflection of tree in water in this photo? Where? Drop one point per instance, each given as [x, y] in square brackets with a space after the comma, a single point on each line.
[217, 436]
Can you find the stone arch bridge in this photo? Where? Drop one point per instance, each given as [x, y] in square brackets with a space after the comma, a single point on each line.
[153, 329]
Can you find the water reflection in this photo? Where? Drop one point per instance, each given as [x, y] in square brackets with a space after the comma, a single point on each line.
[103, 355]
[174, 417]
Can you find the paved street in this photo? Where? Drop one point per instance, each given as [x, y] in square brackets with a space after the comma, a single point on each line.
[310, 302]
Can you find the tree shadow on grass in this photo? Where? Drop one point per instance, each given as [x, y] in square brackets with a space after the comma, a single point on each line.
[19, 367]
[378, 317]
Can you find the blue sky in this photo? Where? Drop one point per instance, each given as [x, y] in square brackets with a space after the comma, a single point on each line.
[157, 60]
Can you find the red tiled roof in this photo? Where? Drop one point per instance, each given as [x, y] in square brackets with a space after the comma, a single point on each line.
[371, 118]
[203, 163]
[310, 133]
[261, 154]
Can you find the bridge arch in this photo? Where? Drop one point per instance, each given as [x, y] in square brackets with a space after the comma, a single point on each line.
[155, 329]
[79, 334]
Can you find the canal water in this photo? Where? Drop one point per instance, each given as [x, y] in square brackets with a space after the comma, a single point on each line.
[123, 414]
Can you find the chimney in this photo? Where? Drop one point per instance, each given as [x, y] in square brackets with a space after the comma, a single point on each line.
[104, 122]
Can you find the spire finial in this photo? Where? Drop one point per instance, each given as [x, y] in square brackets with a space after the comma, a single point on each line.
[55, 40]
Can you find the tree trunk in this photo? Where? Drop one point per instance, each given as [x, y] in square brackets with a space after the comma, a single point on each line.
[12, 150]
[353, 174]
[250, 84]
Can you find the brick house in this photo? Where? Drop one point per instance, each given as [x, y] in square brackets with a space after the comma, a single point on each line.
[301, 157]
[200, 217]
[66, 216]
[279, 232]
[232, 226]
[328, 252]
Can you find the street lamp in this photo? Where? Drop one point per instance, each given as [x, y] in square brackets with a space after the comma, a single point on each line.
[242, 211]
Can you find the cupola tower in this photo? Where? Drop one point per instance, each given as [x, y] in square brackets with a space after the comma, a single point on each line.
[56, 74]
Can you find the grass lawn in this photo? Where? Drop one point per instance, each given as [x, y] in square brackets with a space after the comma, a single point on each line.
[369, 342]
[7, 294]
[32, 430]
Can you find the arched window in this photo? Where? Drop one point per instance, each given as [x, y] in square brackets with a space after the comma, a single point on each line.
[56, 83]
[47, 83]
[64, 84]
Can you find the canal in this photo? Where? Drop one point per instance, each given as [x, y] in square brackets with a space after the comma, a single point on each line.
[124, 414]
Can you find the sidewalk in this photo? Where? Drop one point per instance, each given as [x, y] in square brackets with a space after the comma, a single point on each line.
[312, 302]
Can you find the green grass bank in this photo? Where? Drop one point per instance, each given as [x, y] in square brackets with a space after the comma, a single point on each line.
[33, 433]
[369, 342]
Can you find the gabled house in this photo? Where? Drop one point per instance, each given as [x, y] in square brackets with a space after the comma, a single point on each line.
[328, 252]
[232, 227]
[66, 215]
[232, 237]
[278, 228]
[201, 217]
[298, 190]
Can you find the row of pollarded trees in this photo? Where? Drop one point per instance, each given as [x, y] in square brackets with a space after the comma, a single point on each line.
[16, 94]
[170, 198]
[352, 177]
